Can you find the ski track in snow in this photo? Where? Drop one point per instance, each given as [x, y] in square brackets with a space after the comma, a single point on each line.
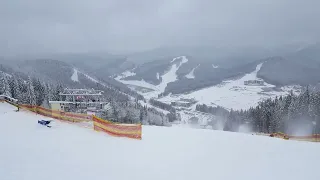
[171, 75]
[168, 77]
[31, 151]
[74, 76]
[191, 74]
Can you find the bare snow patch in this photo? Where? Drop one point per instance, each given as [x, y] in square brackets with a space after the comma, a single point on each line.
[191, 74]
[214, 66]
[74, 76]
[128, 73]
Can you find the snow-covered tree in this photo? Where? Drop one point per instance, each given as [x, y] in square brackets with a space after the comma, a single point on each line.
[30, 92]
[5, 88]
[39, 91]
[14, 86]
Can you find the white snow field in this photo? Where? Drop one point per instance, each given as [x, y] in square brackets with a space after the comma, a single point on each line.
[29, 151]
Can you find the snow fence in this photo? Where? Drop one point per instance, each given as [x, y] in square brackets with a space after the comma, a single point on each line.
[115, 129]
[61, 115]
[313, 137]
[121, 130]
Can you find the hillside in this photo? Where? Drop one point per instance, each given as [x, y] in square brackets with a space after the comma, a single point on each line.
[181, 78]
[66, 151]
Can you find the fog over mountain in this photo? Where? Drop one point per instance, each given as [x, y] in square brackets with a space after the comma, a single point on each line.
[125, 26]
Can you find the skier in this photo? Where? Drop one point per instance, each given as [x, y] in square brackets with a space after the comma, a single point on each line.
[44, 122]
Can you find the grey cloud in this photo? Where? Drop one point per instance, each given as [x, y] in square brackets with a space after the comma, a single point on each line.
[125, 25]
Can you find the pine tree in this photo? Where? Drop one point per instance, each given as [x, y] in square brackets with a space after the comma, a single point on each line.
[39, 90]
[5, 88]
[30, 92]
[56, 93]
[14, 86]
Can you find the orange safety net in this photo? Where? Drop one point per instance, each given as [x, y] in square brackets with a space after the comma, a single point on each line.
[121, 130]
[114, 129]
[313, 137]
[61, 115]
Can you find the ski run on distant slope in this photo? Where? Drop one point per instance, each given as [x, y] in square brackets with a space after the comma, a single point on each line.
[167, 77]
[191, 74]
[74, 76]
[229, 94]
[232, 93]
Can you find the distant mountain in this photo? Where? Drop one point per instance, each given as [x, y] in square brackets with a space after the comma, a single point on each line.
[301, 67]
[183, 77]
[59, 72]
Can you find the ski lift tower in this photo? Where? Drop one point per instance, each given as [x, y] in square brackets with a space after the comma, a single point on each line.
[87, 101]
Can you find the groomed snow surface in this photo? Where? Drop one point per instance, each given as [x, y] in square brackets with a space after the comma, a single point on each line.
[30, 151]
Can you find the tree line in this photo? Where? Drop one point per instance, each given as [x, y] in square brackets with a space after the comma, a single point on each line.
[29, 91]
[33, 91]
[289, 114]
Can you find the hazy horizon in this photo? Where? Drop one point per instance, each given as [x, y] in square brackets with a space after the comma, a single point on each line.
[124, 26]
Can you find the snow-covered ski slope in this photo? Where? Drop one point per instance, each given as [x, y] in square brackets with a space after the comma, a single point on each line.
[169, 76]
[231, 94]
[30, 151]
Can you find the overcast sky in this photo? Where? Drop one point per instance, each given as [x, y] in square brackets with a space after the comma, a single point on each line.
[37, 26]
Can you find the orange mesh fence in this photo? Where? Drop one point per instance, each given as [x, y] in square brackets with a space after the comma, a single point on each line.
[114, 129]
[313, 137]
[121, 130]
[65, 116]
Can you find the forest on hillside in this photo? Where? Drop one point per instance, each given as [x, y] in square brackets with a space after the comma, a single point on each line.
[291, 114]
[33, 91]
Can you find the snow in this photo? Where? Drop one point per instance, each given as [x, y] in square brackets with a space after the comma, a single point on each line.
[232, 93]
[215, 66]
[158, 76]
[129, 73]
[74, 76]
[169, 76]
[125, 74]
[191, 74]
[174, 59]
[30, 151]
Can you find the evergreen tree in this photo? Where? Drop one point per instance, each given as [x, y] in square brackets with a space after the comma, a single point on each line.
[14, 86]
[5, 88]
[39, 90]
[30, 92]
